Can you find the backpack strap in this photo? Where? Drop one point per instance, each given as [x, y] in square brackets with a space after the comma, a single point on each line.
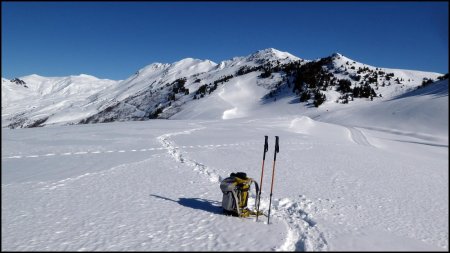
[237, 202]
[257, 193]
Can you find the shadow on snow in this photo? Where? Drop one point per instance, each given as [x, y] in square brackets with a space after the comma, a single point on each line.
[196, 203]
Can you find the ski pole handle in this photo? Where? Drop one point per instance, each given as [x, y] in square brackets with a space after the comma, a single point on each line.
[277, 148]
[266, 146]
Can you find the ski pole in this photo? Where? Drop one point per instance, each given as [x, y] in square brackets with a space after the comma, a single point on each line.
[277, 149]
[266, 147]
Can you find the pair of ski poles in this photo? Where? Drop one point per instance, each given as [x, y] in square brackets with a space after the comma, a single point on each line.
[266, 148]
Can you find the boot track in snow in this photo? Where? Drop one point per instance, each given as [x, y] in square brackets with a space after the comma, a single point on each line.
[303, 233]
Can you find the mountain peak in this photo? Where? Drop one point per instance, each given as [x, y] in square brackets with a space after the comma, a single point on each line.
[270, 54]
[269, 50]
[84, 76]
[186, 60]
[341, 59]
[190, 60]
[35, 76]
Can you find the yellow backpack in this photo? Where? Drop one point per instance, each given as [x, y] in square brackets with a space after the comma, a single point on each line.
[235, 189]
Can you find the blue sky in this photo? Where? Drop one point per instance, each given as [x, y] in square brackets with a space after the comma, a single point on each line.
[114, 39]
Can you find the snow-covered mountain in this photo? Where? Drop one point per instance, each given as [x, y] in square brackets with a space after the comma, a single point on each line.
[32, 100]
[201, 89]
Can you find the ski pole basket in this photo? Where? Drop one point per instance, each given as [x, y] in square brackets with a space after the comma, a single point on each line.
[235, 189]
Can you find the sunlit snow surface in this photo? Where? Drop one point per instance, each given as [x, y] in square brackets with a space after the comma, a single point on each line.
[367, 177]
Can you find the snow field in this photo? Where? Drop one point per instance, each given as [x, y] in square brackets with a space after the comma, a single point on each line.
[345, 179]
[362, 193]
[164, 206]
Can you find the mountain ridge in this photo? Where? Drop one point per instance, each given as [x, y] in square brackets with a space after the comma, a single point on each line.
[237, 86]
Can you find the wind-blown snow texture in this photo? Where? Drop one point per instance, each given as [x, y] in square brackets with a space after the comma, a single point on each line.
[368, 175]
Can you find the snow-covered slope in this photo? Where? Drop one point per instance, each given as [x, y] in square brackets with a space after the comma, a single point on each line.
[357, 178]
[201, 89]
[419, 113]
[385, 79]
[50, 100]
